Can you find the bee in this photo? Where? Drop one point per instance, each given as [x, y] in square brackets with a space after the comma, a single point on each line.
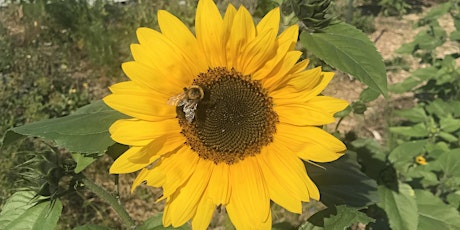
[189, 100]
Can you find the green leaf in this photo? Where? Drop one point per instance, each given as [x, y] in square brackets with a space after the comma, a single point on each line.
[434, 213]
[155, 223]
[448, 137]
[368, 95]
[455, 36]
[349, 50]
[422, 173]
[426, 40]
[449, 124]
[426, 73]
[85, 131]
[418, 130]
[91, 227]
[343, 182]
[454, 199]
[438, 108]
[450, 163]
[400, 207]
[405, 86]
[22, 211]
[344, 112]
[346, 216]
[83, 161]
[436, 12]
[337, 218]
[414, 114]
[372, 157]
[9, 138]
[405, 153]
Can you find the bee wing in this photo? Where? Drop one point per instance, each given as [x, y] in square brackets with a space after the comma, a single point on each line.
[177, 100]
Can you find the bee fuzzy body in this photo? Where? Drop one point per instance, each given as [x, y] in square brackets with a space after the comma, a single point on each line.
[188, 100]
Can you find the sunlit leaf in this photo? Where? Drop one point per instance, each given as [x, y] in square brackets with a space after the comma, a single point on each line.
[405, 153]
[436, 12]
[426, 40]
[449, 124]
[418, 130]
[435, 214]
[85, 131]
[406, 85]
[448, 137]
[21, 211]
[340, 217]
[337, 46]
[450, 162]
[414, 114]
[342, 182]
[454, 199]
[400, 206]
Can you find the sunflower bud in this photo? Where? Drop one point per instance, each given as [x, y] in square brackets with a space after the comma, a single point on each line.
[313, 13]
[44, 174]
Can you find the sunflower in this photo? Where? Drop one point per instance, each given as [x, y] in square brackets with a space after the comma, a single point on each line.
[223, 117]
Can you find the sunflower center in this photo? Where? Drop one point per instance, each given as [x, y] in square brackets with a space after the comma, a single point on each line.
[232, 120]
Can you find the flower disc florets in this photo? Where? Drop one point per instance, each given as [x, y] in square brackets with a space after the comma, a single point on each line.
[234, 119]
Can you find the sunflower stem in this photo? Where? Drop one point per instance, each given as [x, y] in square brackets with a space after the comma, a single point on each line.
[116, 205]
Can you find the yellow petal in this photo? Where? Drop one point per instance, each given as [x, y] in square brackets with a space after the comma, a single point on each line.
[258, 52]
[270, 21]
[136, 132]
[156, 148]
[219, 189]
[208, 26]
[181, 36]
[161, 83]
[140, 106]
[183, 206]
[296, 70]
[203, 214]
[280, 71]
[178, 168]
[249, 202]
[226, 30]
[159, 53]
[317, 111]
[291, 94]
[285, 42]
[242, 32]
[310, 143]
[123, 165]
[128, 87]
[278, 187]
[140, 178]
[312, 188]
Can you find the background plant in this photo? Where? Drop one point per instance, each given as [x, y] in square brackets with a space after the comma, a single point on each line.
[72, 50]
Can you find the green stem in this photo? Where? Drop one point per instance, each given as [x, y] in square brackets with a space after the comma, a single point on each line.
[102, 193]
